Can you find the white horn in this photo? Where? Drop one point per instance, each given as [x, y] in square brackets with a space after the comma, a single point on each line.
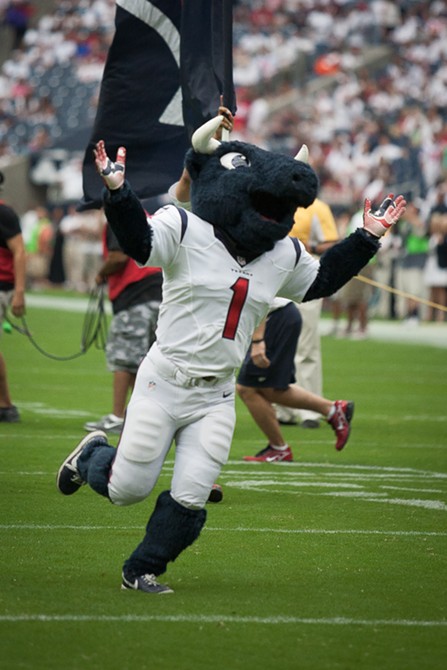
[202, 140]
[303, 154]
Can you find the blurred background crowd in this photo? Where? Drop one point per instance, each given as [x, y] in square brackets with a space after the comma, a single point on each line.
[363, 84]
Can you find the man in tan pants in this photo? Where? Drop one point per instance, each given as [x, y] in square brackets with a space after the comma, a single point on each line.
[316, 228]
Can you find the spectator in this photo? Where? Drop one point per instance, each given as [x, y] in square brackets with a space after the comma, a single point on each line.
[38, 245]
[316, 228]
[82, 233]
[435, 271]
[17, 16]
[135, 294]
[267, 375]
[412, 262]
[56, 273]
[356, 294]
[12, 292]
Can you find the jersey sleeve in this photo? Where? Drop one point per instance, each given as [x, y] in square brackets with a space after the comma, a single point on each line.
[301, 277]
[166, 225]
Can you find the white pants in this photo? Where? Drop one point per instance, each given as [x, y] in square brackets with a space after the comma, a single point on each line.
[166, 406]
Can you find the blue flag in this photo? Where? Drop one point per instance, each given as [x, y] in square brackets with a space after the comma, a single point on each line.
[206, 60]
[167, 66]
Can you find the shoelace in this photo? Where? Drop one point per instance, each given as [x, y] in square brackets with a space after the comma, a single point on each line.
[338, 419]
[76, 477]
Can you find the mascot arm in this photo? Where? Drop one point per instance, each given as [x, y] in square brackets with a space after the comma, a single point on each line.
[128, 221]
[342, 262]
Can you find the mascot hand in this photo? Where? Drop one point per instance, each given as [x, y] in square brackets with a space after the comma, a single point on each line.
[377, 223]
[111, 173]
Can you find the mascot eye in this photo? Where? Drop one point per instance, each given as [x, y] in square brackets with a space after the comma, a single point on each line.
[233, 160]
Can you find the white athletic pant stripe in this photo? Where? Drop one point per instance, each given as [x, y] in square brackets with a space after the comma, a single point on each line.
[199, 419]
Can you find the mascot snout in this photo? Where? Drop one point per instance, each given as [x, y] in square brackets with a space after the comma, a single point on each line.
[258, 190]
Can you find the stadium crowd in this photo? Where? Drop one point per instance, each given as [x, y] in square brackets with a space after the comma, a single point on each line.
[364, 84]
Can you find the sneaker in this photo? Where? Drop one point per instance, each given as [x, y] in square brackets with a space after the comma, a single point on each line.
[9, 414]
[271, 455]
[110, 423]
[216, 494]
[146, 583]
[68, 479]
[341, 420]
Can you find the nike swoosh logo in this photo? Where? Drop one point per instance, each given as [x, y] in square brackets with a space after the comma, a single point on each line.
[226, 394]
[271, 459]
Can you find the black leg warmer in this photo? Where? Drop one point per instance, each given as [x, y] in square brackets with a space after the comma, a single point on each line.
[170, 529]
[94, 464]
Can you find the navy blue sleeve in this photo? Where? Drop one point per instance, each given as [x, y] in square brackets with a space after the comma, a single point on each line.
[341, 263]
[127, 219]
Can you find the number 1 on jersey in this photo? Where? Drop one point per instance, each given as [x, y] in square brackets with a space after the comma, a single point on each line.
[240, 290]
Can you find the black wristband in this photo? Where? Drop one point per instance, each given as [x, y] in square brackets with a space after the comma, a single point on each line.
[257, 341]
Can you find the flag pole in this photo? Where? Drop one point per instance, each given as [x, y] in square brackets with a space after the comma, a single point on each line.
[227, 41]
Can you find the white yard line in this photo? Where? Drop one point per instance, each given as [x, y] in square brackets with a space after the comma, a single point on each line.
[216, 618]
[281, 531]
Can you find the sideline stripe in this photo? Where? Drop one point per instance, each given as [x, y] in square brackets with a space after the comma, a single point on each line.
[224, 618]
[297, 531]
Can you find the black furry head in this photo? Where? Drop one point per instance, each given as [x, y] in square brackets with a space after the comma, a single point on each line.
[249, 193]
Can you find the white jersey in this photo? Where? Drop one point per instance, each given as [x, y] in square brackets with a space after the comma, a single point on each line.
[278, 303]
[212, 302]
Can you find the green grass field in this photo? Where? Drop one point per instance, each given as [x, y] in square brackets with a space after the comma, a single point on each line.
[335, 561]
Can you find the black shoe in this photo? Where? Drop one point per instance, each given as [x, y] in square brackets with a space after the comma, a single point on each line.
[9, 414]
[216, 494]
[146, 583]
[68, 479]
[310, 423]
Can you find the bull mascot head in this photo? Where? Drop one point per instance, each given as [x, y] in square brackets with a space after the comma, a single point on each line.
[248, 193]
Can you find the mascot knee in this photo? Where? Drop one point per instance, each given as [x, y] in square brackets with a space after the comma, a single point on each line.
[170, 530]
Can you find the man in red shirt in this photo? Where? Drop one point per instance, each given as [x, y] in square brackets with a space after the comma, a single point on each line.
[12, 291]
[135, 295]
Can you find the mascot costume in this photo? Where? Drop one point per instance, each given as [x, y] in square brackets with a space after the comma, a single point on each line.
[223, 263]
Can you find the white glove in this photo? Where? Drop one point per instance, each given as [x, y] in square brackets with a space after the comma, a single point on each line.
[111, 173]
[377, 223]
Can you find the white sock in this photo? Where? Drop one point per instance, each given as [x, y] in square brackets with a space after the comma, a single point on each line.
[282, 448]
